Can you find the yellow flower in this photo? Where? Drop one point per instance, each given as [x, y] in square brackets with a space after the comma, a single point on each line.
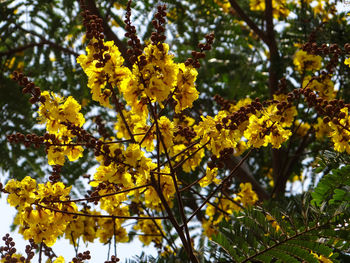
[166, 184]
[133, 154]
[56, 112]
[210, 177]
[60, 259]
[152, 230]
[325, 88]
[224, 4]
[107, 230]
[306, 62]
[321, 258]
[279, 7]
[185, 93]
[166, 128]
[159, 74]
[347, 62]
[301, 128]
[255, 132]
[209, 228]
[340, 136]
[113, 69]
[22, 193]
[114, 173]
[55, 155]
[191, 163]
[273, 222]
[247, 195]
[321, 129]
[83, 226]
[220, 138]
[73, 152]
[69, 111]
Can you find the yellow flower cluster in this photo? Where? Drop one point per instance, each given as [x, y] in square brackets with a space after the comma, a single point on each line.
[152, 231]
[301, 128]
[340, 134]
[269, 127]
[279, 7]
[113, 71]
[185, 93]
[166, 183]
[347, 61]
[84, 227]
[107, 229]
[273, 223]
[322, 129]
[217, 139]
[247, 196]
[325, 88]
[192, 163]
[306, 62]
[210, 177]
[158, 78]
[224, 4]
[37, 222]
[155, 80]
[55, 112]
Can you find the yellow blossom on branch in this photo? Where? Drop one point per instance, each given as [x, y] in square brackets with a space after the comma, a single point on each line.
[152, 231]
[306, 62]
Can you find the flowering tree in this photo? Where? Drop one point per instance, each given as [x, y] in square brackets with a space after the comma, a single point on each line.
[168, 160]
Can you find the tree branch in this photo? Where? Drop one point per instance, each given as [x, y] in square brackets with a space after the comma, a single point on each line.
[10, 52]
[52, 44]
[243, 174]
[249, 22]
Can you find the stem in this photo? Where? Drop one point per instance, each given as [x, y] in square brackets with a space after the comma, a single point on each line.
[249, 22]
[99, 197]
[40, 251]
[178, 195]
[114, 238]
[119, 110]
[102, 216]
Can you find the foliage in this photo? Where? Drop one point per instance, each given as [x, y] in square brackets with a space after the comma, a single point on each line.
[180, 126]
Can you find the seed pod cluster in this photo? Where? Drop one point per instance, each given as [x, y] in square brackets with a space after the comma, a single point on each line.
[224, 103]
[101, 127]
[55, 175]
[81, 257]
[28, 87]
[194, 60]
[8, 251]
[159, 25]
[113, 259]
[134, 42]
[186, 132]
[27, 140]
[94, 30]
[333, 50]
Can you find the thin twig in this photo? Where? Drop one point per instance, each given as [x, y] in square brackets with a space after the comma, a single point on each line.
[45, 41]
[96, 197]
[220, 185]
[178, 194]
[101, 216]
